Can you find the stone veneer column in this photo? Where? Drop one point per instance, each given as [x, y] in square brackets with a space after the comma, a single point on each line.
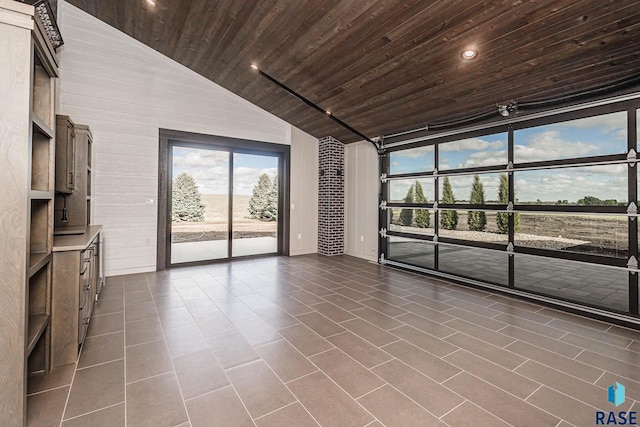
[331, 197]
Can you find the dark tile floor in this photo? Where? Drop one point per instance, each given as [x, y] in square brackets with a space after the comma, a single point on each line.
[331, 341]
[591, 284]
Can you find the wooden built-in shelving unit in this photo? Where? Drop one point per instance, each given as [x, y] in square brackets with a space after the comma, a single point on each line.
[27, 83]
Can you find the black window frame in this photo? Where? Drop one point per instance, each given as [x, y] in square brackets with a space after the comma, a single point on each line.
[632, 110]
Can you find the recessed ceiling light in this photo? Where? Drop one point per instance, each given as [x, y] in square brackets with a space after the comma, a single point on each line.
[254, 67]
[469, 54]
[151, 3]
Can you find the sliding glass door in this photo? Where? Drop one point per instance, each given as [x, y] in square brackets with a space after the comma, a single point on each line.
[199, 204]
[255, 204]
[224, 203]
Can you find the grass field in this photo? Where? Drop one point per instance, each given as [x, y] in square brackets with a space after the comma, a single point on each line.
[217, 207]
[216, 216]
[592, 234]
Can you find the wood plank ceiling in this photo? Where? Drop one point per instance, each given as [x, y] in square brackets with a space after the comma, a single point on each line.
[385, 66]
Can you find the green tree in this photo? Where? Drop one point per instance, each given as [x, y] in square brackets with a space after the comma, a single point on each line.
[271, 212]
[594, 201]
[423, 217]
[186, 203]
[260, 197]
[477, 220]
[448, 219]
[406, 215]
[502, 219]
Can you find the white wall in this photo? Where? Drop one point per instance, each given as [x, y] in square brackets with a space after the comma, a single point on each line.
[125, 91]
[362, 180]
[304, 193]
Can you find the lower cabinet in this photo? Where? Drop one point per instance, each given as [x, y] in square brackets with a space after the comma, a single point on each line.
[76, 282]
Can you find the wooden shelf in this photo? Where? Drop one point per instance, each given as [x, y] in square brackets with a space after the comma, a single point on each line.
[37, 325]
[38, 260]
[28, 186]
[40, 195]
[42, 126]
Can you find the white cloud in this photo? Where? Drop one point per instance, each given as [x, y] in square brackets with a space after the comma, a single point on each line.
[611, 121]
[604, 182]
[244, 179]
[484, 158]
[195, 157]
[210, 170]
[548, 145]
[475, 144]
[620, 134]
[215, 180]
[413, 152]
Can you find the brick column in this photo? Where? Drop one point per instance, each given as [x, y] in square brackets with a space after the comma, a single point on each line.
[331, 197]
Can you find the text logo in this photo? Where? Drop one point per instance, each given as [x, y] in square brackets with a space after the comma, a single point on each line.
[616, 394]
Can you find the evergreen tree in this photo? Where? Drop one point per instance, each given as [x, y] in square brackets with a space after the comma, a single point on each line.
[448, 219]
[477, 220]
[259, 202]
[271, 213]
[406, 215]
[423, 217]
[186, 204]
[502, 219]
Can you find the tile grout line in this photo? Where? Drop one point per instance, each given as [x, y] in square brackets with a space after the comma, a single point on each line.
[536, 346]
[526, 359]
[578, 355]
[370, 391]
[230, 385]
[94, 411]
[148, 378]
[570, 397]
[287, 387]
[454, 351]
[323, 373]
[66, 403]
[516, 397]
[318, 353]
[453, 409]
[375, 366]
[297, 378]
[600, 377]
[100, 364]
[565, 373]
[276, 410]
[560, 391]
[533, 392]
[444, 381]
[48, 390]
[173, 367]
[604, 371]
[75, 370]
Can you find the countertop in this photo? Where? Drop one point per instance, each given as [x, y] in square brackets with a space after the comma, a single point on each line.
[76, 242]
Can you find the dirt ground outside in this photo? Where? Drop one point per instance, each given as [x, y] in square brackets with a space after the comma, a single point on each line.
[215, 227]
[590, 234]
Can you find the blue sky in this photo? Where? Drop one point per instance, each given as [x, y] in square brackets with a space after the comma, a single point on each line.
[210, 169]
[578, 138]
